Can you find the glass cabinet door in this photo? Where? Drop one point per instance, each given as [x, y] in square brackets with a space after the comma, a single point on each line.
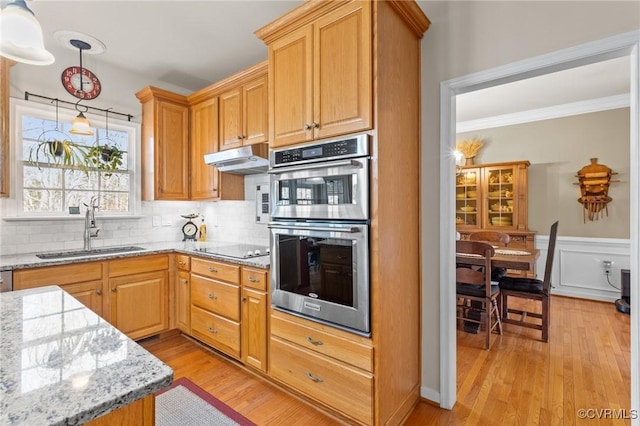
[468, 198]
[501, 197]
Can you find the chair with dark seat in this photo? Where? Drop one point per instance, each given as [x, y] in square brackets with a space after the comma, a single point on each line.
[493, 237]
[530, 288]
[475, 286]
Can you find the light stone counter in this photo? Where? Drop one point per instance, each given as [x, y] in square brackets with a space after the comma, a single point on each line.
[30, 260]
[61, 364]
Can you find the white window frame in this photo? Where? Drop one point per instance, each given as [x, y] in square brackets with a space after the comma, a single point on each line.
[13, 207]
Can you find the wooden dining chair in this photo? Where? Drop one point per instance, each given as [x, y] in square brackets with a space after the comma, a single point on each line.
[474, 292]
[493, 237]
[530, 288]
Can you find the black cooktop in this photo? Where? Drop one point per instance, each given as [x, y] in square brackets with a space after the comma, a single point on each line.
[237, 251]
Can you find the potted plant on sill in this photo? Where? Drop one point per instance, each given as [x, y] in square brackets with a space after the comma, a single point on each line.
[106, 158]
[63, 152]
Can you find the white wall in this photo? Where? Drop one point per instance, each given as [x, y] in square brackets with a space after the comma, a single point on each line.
[467, 37]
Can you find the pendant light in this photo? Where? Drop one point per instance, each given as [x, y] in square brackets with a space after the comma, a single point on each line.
[21, 39]
[81, 125]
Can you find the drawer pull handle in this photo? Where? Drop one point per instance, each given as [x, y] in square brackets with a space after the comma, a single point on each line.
[314, 342]
[212, 269]
[212, 296]
[99, 292]
[182, 263]
[213, 330]
[314, 378]
[254, 280]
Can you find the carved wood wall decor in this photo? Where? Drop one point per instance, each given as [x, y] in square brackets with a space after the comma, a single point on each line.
[594, 180]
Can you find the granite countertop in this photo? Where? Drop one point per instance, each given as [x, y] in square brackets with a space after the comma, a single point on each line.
[61, 364]
[30, 260]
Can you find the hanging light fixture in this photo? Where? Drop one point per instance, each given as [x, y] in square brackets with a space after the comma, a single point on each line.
[81, 125]
[21, 38]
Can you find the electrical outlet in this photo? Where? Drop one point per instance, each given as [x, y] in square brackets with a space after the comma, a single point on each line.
[606, 266]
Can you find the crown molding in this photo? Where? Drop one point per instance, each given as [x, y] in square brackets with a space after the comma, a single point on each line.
[547, 113]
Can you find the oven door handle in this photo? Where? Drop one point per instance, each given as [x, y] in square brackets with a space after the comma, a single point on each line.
[344, 229]
[345, 163]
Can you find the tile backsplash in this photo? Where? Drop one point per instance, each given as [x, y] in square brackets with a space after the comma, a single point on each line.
[227, 221]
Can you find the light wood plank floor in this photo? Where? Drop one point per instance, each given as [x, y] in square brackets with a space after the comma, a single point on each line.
[520, 381]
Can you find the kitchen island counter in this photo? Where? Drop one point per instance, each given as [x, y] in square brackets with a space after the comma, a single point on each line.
[61, 364]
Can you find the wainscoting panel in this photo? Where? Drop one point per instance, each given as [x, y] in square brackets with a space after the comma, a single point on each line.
[578, 270]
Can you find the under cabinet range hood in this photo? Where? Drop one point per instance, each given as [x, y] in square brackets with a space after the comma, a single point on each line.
[246, 160]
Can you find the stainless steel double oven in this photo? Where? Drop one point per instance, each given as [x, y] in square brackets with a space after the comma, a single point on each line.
[320, 231]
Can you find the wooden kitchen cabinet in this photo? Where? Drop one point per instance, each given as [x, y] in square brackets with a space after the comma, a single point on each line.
[139, 295]
[243, 114]
[320, 76]
[5, 67]
[322, 57]
[84, 281]
[203, 140]
[215, 304]
[183, 293]
[165, 145]
[255, 301]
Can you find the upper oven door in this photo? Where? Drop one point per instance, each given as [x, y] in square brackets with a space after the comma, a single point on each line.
[328, 190]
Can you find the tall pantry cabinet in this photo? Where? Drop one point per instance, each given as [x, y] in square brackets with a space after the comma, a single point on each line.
[354, 66]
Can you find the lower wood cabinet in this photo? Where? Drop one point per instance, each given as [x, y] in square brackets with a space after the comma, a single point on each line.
[216, 330]
[327, 364]
[88, 293]
[255, 300]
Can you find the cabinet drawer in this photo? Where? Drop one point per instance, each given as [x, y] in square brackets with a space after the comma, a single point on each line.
[217, 270]
[183, 262]
[216, 296]
[357, 351]
[255, 278]
[138, 265]
[339, 386]
[216, 331]
[57, 275]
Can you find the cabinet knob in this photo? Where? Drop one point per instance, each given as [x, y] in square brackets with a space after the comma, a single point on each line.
[314, 125]
[306, 126]
[212, 269]
[185, 281]
[244, 299]
[314, 378]
[239, 137]
[313, 341]
[212, 330]
[114, 289]
[99, 292]
[254, 280]
[182, 263]
[212, 296]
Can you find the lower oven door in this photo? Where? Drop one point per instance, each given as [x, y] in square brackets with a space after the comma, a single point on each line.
[321, 270]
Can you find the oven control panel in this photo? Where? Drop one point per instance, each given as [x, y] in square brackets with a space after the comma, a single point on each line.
[344, 148]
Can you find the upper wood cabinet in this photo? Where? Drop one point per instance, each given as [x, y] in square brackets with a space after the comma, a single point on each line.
[165, 145]
[203, 140]
[243, 114]
[320, 77]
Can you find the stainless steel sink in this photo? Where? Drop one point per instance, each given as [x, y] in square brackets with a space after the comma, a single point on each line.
[92, 252]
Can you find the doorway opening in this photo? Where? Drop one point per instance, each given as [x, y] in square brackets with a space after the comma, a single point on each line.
[614, 47]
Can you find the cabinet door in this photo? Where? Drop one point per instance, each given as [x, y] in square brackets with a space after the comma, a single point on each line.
[204, 140]
[255, 112]
[343, 71]
[291, 88]
[172, 151]
[139, 303]
[254, 328]
[469, 208]
[183, 302]
[87, 293]
[231, 132]
[500, 183]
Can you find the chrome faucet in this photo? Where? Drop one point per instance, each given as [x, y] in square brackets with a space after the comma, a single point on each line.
[90, 228]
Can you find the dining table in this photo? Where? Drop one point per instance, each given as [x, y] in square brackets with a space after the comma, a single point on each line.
[518, 259]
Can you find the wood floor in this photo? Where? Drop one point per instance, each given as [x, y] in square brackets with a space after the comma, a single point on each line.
[520, 381]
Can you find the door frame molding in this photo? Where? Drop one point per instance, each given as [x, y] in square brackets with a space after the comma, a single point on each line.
[626, 44]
